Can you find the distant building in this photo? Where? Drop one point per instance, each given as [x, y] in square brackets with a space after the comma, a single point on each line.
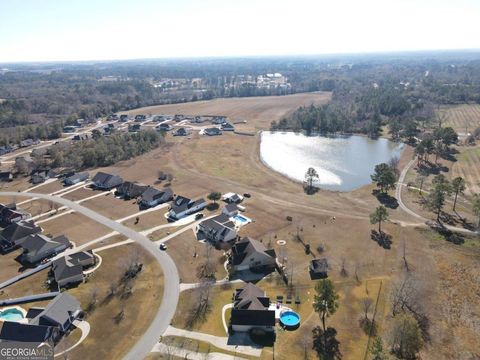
[104, 181]
[230, 210]
[39, 247]
[180, 132]
[6, 176]
[76, 178]
[9, 214]
[130, 190]
[13, 234]
[212, 131]
[228, 127]
[152, 197]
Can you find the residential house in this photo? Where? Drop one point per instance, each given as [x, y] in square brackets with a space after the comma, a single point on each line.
[9, 214]
[104, 181]
[112, 117]
[6, 176]
[39, 177]
[212, 131]
[68, 270]
[228, 127]
[80, 137]
[219, 229]
[219, 120]
[134, 127]
[230, 210]
[39, 247]
[164, 127]
[69, 129]
[76, 178]
[232, 198]
[130, 190]
[178, 117]
[29, 142]
[180, 132]
[318, 269]
[140, 118]
[28, 333]
[251, 254]
[152, 197]
[60, 313]
[16, 232]
[251, 310]
[183, 206]
[123, 118]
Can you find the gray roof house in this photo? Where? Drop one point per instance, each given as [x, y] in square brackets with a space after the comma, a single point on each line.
[183, 206]
[251, 310]
[16, 232]
[251, 254]
[76, 178]
[152, 197]
[69, 269]
[106, 181]
[130, 190]
[60, 312]
[38, 247]
[212, 131]
[218, 229]
[230, 209]
[180, 132]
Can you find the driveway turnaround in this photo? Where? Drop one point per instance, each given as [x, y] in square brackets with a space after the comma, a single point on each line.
[170, 273]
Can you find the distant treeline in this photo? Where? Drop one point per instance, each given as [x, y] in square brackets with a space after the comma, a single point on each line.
[104, 151]
[366, 89]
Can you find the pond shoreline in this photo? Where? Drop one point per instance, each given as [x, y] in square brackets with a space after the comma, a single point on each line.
[345, 174]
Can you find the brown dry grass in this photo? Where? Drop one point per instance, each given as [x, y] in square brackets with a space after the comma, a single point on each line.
[107, 339]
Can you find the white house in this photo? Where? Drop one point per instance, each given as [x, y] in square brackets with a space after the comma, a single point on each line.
[183, 206]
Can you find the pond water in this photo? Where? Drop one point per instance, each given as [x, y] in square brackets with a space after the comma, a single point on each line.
[343, 163]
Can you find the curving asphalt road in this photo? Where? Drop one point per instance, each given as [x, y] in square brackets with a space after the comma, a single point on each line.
[171, 289]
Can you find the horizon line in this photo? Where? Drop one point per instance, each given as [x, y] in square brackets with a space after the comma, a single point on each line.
[218, 57]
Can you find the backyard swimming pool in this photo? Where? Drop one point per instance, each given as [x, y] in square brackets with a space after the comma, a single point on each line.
[241, 220]
[11, 315]
[290, 319]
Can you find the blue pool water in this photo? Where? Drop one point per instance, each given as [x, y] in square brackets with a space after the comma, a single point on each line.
[240, 219]
[11, 315]
[290, 318]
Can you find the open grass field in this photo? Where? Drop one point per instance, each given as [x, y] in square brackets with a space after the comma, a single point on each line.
[463, 118]
[108, 338]
[76, 227]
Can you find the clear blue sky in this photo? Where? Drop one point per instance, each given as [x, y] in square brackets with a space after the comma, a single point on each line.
[45, 30]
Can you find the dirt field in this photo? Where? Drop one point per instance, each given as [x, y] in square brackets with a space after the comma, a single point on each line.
[257, 111]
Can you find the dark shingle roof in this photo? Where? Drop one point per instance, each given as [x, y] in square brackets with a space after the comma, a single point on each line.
[19, 230]
[14, 331]
[58, 311]
[253, 317]
[247, 246]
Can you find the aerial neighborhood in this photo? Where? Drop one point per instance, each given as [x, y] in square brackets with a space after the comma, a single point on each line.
[247, 208]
